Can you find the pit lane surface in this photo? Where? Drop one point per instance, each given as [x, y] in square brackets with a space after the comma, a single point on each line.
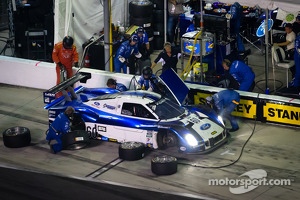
[272, 148]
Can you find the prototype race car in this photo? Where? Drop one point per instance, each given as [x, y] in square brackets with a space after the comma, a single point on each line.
[147, 117]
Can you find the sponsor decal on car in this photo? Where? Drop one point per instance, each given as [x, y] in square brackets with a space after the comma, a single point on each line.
[109, 107]
[112, 140]
[149, 134]
[214, 132]
[96, 128]
[205, 126]
[79, 139]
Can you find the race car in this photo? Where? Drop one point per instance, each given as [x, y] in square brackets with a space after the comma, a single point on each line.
[146, 117]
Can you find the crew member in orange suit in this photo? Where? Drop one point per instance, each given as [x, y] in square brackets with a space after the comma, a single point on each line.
[65, 56]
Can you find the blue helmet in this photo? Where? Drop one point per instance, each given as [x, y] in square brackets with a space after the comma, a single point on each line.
[134, 38]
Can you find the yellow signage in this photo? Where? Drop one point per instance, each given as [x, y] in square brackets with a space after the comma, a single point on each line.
[282, 113]
[246, 108]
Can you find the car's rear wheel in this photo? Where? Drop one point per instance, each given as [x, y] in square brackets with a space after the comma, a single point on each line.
[75, 140]
[164, 165]
[131, 151]
[16, 137]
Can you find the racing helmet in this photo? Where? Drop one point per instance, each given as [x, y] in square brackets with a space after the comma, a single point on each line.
[147, 72]
[69, 112]
[68, 42]
[140, 30]
[134, 38]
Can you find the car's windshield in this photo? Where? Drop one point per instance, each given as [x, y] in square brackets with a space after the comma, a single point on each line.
[166, 109]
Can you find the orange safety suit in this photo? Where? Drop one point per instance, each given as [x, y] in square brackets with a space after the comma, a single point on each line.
[65, 56]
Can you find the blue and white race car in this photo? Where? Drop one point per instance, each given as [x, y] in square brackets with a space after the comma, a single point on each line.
[147, 117]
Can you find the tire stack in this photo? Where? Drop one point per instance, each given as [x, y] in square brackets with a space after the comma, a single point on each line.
[141, 15]
[158, 24]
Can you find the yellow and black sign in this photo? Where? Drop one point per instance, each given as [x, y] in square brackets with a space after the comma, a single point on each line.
[286, 114]
[246, 108]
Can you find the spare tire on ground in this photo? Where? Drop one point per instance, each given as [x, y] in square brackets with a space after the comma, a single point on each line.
[16, 137]
[131, 151]
[75, 140]
[164, 165]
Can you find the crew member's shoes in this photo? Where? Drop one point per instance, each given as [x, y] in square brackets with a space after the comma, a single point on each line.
[233, 129]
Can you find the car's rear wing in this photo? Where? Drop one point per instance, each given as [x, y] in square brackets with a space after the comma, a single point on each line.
[49, 95]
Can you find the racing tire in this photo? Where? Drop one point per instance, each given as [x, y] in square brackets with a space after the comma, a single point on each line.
[16, 137]
[75, 140]
[164, 165]
[140, 10]
[138, 21]
[132, 151]
[160, 140]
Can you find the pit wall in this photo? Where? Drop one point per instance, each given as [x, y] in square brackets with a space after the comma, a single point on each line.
[42, 75]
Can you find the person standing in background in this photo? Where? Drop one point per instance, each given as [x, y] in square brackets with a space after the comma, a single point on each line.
[169, 57]
[124, 52]
[175, 8]
[65, 55]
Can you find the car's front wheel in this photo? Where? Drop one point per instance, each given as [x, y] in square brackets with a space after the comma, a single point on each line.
[164, 165]
[131, 151]
[166, 139]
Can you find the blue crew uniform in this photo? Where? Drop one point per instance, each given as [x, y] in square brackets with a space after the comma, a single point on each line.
[243, 74]
[148, 84]
[124, 51]
[60, 126]
[225, 102]
[142, 40]
[121, 87]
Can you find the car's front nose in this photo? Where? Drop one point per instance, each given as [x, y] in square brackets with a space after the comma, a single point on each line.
[203, 135]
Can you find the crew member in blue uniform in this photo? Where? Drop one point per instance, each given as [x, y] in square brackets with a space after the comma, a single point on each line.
[236, 16]
[224, 103]
[112, 83]
[126, 49]
[241, 72]
[143, 47]
[148, 80]
[60, 126]
[143, 42]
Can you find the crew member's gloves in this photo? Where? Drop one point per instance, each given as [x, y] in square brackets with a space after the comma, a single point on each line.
[275, 44]
[138, 87]
[61, 66]
[138, 55]
[76, 65]
[122, 59]
[228, 16]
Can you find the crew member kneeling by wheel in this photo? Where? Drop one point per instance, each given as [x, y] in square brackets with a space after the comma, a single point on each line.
[60, 126]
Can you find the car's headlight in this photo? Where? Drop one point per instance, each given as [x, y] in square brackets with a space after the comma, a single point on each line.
[191, 140]
[221, 120]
